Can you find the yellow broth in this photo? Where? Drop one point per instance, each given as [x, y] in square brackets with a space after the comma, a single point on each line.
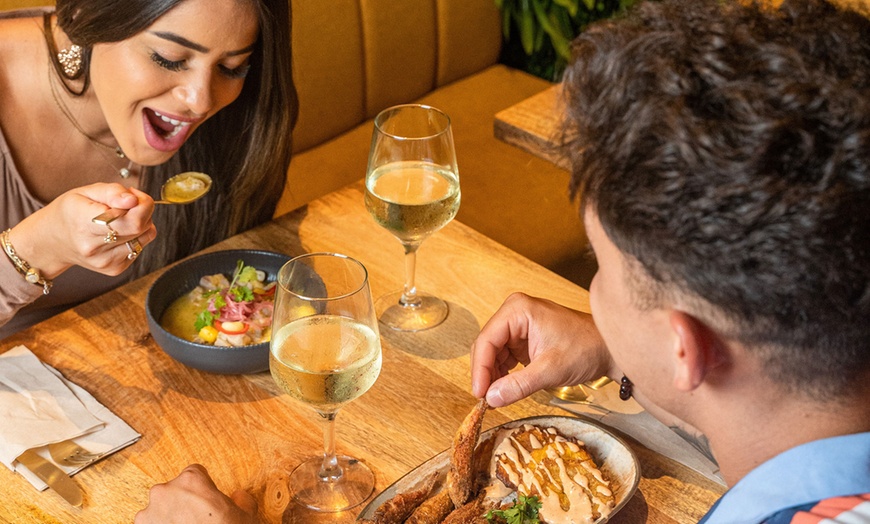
[180, 317]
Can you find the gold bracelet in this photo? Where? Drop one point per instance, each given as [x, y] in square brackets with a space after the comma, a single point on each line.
[31, 274]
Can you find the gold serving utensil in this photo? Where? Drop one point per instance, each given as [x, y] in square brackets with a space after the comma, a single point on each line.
[183, 188]
[53, 476]
[68, 453]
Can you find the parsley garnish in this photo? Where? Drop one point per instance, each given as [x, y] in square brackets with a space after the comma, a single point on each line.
[219, 301]
[242, 294]
[205, 318]
[524, 511]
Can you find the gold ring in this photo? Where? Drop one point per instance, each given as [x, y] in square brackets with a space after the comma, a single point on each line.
[111, 237]
[135, 248]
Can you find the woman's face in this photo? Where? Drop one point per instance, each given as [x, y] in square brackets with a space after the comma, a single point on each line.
[158, 86]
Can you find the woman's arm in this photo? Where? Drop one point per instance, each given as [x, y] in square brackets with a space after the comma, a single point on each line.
[62, 234]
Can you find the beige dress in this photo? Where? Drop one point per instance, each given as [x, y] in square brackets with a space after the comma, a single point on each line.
[22, 303]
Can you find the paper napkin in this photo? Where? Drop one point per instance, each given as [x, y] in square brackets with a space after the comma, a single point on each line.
[630, 418]
[38, 406]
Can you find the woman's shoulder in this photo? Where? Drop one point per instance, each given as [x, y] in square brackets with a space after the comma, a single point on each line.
[22, 54]
[21, 37]
[20, 26]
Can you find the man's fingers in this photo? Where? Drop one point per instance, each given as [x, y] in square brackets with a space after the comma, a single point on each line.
[513, 387]
[483, 367]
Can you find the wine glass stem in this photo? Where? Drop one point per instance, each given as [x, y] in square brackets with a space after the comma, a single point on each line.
[330, 471]
[409, 293]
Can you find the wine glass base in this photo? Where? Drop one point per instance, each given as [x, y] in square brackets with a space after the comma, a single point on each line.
[428, 313]
[354, 487]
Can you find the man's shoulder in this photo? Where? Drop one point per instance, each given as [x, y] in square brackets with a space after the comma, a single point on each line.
[854, 509]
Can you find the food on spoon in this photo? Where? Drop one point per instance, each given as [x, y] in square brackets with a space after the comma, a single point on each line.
[537, 461]
[222, 311]
[186, 187]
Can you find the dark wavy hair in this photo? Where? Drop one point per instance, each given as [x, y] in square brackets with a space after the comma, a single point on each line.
[245, 147]
[725, 149]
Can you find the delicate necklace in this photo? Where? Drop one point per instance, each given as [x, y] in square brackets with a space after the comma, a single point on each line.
[123, 172]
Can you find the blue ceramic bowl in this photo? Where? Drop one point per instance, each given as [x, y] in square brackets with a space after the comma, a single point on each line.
[184, 276]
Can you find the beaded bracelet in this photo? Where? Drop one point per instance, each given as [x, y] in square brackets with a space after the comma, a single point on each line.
[31, 274]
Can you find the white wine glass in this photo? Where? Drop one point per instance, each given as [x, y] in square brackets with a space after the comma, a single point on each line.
[412, 190]
[326, 352]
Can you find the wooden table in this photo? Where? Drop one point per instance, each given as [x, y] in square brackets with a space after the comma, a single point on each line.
[533, 125]
[249, 435]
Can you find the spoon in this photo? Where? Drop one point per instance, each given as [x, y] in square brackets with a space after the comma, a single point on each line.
[183, 188]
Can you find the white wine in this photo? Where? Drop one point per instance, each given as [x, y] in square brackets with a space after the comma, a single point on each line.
[325, 360]
[412, 199]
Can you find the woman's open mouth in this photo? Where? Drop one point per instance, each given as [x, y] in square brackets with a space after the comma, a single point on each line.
[163, 132]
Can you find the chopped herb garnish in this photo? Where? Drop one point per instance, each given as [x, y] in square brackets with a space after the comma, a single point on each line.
[242, 294]
[219, 302]
[205, 318]
[524, 511]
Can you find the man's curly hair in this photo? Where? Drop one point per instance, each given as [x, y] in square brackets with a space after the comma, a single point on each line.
[725, 149]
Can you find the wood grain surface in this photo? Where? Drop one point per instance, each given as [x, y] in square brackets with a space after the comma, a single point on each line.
[533, 125]
[249, 435]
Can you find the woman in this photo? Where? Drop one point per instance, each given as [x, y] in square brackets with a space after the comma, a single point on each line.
[103, 100]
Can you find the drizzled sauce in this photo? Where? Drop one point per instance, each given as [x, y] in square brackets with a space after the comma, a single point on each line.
[540, 461]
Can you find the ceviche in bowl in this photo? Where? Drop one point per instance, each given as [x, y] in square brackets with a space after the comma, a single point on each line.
[214, 311]
[225, 310]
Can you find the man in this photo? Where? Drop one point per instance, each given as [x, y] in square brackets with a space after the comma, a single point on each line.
[722, 152]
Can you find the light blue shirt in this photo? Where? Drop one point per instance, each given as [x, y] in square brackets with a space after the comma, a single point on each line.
[805, 474]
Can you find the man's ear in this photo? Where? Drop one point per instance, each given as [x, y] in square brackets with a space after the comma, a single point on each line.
[697, 350]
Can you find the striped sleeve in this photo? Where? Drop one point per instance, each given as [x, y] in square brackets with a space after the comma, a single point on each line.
[838, 510]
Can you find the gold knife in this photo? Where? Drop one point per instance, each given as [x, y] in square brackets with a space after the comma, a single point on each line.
[53, 476]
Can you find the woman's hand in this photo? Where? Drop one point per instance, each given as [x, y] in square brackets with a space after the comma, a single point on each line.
[558, 347]
[193, 497]
[62, 235]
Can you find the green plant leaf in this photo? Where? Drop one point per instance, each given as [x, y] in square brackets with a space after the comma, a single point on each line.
[590, 5]
[565, 24]
[543, 18]
[561, 41]
[526, 25]
[570, 5]
[539, 39]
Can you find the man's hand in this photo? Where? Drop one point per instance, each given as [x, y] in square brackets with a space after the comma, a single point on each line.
[558, 347]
